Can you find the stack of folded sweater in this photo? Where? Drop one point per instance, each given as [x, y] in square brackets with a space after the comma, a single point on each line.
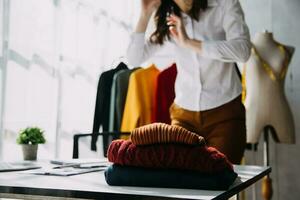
[161, 155]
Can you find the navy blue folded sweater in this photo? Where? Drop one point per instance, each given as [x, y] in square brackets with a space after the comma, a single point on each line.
[118, 175]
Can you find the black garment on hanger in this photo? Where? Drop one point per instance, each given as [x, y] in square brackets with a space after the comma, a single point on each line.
[121, 87]
[101, 116]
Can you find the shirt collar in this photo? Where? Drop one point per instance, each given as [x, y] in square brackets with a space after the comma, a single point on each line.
[184, 15]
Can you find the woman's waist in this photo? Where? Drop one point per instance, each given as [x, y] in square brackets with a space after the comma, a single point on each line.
[205, 99]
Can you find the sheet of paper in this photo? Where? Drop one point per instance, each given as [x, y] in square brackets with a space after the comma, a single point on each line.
[67, 171]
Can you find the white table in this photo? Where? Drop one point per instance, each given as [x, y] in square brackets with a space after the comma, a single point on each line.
[93, 186]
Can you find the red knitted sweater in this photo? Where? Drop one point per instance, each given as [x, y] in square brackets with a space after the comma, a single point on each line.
[168, 156]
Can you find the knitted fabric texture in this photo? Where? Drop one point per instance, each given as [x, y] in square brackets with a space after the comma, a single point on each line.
[157, 133]
[169, 178]
[168, 156]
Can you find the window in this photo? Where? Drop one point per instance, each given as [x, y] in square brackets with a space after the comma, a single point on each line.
[57, 50]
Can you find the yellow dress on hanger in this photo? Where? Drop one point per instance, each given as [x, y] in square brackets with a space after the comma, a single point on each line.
[139, 101]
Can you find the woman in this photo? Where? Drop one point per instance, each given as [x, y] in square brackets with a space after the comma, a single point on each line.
[207, 37]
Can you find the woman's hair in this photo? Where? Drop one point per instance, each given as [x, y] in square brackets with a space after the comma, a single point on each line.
[169, 6]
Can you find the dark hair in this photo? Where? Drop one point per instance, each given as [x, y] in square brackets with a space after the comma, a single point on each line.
[168, 6]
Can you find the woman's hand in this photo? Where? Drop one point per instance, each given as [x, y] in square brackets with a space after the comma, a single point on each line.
[177, 30]
[149, 6]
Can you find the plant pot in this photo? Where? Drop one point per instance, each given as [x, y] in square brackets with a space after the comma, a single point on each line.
[29, 151]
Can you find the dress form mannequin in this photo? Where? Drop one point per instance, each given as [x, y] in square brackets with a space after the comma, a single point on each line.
[267, 109]
[265, 101]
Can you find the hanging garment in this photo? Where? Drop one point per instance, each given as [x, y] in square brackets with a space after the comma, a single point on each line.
[139, 101]
[264, 98]
[145, 177]
[118, 97]
[164, 94]
[101, 115]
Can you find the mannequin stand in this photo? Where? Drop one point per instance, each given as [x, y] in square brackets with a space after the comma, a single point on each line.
[267, 190]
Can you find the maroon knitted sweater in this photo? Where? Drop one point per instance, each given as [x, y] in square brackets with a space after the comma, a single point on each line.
[168, 156]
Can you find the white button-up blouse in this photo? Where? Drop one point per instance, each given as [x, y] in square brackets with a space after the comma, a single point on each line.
[208, 79]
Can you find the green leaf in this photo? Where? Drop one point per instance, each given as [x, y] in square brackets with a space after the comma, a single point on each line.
[31, 135]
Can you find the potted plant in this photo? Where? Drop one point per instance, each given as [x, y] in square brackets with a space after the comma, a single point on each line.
[29, 138]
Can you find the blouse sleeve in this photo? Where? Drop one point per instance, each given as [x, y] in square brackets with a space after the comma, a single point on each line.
[140, 49]
[237, 46]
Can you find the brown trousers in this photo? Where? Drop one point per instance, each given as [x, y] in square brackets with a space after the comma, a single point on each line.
[223, 127]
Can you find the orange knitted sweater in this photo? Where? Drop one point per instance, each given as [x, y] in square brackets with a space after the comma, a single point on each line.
[157, 133]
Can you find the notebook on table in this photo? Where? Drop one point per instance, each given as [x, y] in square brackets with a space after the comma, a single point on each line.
[86, 161]
[66, 171]
[70, 167]
[18, 166]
